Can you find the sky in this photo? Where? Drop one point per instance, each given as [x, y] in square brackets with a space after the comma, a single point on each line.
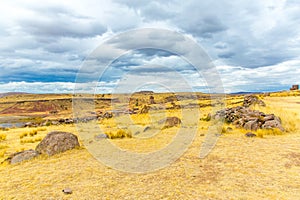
[44, 46]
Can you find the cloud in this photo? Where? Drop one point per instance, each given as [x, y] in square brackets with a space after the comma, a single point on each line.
[256, 42]
[267, 78]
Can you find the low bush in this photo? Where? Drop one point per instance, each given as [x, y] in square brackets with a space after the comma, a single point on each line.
[2, 137]
[273, 131]
[31, 140]
[2, 153]
[3, 146]
[120, 133]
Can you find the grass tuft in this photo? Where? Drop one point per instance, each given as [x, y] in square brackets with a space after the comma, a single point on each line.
[2, 137]
[273, 131]
[120, 133]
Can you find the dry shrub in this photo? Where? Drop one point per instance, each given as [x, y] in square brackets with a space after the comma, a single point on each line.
[3, 146]
[41, 129]
[2, 137]
[273, 131]
[31, 140]
[120, 133]
[33, 132]
[30, 133]
[2, 153]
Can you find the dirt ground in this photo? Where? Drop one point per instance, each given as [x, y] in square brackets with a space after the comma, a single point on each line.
[237, 168]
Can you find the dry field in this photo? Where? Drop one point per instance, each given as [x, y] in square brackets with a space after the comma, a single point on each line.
[266, 167]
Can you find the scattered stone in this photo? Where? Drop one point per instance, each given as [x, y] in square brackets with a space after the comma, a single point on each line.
[101, 136]
[171, 122]
[28, 124]
[22, 156]
[146, 129]
[67, 191]
[136, 133]
[229, 129]
[249, 134]
[107, 115]
[54, 122]
[57, 142]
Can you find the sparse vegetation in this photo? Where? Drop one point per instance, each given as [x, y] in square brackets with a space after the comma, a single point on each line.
[3, 146]
[2, 153]
[2, 137]
[30, 140]
[264, 132]
[120, 133]
[235, 158]
[32, 132]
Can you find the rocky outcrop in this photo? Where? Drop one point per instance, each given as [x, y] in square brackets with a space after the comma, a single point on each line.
[57, 142]
[243, 117]
[252, 100]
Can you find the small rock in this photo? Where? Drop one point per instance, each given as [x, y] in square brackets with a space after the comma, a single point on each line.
[146, 129]
[229, 129]
[170, 122]
[136, 133]
[101, 136]
[249, 134]
[67, 191]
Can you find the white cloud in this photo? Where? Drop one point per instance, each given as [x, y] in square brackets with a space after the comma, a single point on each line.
[268, 78]
[254, 44]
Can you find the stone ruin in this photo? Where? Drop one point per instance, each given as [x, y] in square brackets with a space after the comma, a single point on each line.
[244, 117]
[294, 87]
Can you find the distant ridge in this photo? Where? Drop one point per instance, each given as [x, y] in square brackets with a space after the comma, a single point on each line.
[246, 93]
[11, 93]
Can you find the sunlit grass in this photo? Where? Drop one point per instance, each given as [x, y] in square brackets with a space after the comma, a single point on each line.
[2, 137]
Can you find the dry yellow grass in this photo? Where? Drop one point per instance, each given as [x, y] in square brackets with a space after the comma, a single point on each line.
[237, 168]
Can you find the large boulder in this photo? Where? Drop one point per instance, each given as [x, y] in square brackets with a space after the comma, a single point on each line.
[57, 142]
[22, 156]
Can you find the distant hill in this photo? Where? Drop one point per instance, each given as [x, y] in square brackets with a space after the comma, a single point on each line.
[242, 93]
[11, 93]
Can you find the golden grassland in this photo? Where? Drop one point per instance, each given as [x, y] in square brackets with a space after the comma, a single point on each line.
[266, 167]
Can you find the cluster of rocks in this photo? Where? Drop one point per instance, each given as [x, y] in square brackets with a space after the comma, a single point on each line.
[252, 100]
[55, 142]
[244, 117]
